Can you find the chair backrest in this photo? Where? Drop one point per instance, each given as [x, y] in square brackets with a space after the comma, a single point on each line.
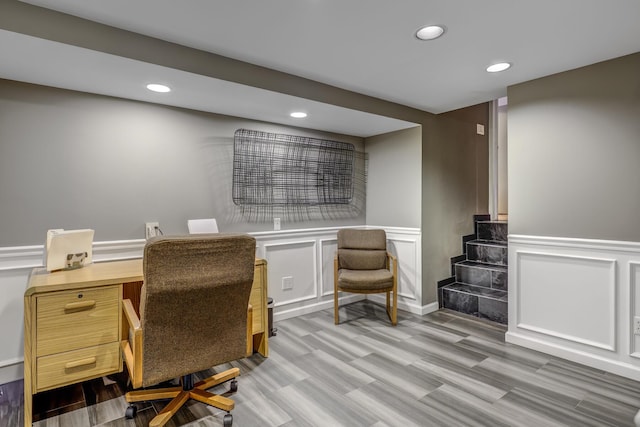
[362, 249]
[194, 300]
[200, 226]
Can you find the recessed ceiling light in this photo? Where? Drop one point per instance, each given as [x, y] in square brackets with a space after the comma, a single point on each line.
[298, 115]
[500, 66]
[430, 32]
[158, 88]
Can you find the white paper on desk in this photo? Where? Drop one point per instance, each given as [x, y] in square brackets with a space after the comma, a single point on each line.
[67, 249]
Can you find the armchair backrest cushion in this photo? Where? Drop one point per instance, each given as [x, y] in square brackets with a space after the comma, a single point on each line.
[194, 301]
[362, 249]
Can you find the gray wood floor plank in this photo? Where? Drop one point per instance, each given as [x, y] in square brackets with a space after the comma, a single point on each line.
[406, 380]
[531, 405]
[333, 373]
[484, 387]
[442, 369]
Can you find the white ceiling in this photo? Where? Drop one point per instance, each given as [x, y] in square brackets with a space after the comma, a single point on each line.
[366, 46]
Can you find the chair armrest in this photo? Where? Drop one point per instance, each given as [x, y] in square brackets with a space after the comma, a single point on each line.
[130, 314]
[131, 342]
[391, 258]
[250, 330]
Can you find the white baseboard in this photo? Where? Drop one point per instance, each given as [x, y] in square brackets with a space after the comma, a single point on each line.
[406, 306]
[584, 358]
[11, 370]
[312, 308]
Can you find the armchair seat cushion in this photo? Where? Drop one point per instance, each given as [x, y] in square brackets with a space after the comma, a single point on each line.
[365, 280]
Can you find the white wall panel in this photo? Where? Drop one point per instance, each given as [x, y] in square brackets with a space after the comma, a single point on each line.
[634, 305]
[405, 251]
[13, 284]
[294, 260]
[576, 299]
[577, 293]
[328, 249]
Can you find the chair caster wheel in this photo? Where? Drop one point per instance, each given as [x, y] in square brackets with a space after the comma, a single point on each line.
[233, 386]
[130, 412]
[227, 421]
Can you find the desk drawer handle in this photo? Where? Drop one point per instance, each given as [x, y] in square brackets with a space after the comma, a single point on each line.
[81, 362]
[80, 305]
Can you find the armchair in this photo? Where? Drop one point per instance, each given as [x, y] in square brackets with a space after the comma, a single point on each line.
[363, 265]
[194, 315]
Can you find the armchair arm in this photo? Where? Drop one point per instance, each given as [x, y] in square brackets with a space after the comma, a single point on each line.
[250, 330]
[131, 342]
[391, 259]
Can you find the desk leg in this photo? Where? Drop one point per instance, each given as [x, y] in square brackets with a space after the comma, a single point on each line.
[28, 337]
[28, 406]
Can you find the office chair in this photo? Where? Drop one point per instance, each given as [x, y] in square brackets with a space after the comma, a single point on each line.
[194, 315]
[363, 265]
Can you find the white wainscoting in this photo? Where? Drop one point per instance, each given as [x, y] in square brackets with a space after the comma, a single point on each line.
[305, 255]
[576, 299]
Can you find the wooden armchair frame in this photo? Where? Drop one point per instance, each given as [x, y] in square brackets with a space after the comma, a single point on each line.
[392, 309]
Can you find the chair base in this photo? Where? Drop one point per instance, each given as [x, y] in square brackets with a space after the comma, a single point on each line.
[180, 396]
[392, 310]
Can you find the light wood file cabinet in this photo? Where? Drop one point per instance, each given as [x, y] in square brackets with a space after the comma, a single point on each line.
[72, 323]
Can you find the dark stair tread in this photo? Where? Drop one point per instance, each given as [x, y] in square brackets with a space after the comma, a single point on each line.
[497, 243]
[497, 221]
[478, 264]
[479, 291]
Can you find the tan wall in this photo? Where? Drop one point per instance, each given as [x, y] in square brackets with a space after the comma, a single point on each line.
[503, 155]
[455, 186]
[574, 146]
[394, 180]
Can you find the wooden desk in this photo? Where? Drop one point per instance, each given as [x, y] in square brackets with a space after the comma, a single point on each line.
[72, 323]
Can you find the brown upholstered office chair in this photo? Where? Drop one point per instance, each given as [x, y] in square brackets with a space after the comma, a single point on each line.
[363, 265]
[194, 315]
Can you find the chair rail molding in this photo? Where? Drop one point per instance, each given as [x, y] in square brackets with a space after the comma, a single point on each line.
[576, 299]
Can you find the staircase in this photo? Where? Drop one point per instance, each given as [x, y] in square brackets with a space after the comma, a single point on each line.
[478, 286]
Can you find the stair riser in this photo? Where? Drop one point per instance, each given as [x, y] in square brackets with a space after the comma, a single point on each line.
[488, 278]
[475, 305]
[497, 231]
[486, 253]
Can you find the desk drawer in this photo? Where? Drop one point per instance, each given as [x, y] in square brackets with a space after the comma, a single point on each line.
[78, 365]
[77, 319]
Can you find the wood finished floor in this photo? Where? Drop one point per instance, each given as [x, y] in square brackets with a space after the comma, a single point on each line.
[437, 370]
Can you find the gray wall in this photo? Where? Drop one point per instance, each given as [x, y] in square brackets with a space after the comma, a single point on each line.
[76, 160]
[394, 183]
[574, 147]
[442, 191]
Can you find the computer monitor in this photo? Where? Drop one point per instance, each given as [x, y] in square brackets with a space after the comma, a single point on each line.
[201, 226]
